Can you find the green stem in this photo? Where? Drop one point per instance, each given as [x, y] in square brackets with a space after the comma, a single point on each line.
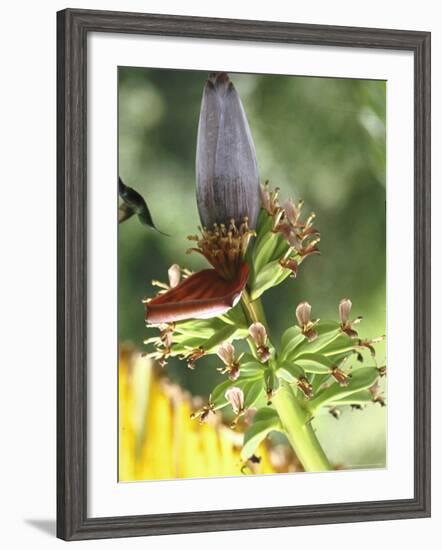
[295, 419]
[297, 426]
[252, 312]
[251, 317]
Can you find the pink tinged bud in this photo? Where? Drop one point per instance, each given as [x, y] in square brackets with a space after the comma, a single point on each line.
[344, 316]
[344, 310]
[375, 389]
[258, 332]
[266, 199]
[201, 296]
[376, 394]
[303, 312]
[226, 352]
[174, 274]
[259, 335]
[291, 212]
[166, 336]
[226, 166]
[289, 234]
[235, 397]
[269, 200]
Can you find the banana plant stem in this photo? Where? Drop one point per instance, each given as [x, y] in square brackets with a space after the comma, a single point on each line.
[295, 419]
[250, 309]
[298, 429]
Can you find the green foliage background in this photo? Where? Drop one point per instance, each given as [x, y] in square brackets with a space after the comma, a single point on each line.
[319, 139]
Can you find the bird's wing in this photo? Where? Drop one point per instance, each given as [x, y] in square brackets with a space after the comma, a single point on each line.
[125, 212]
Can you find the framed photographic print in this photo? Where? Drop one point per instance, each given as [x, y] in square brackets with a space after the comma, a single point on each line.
[243, 274]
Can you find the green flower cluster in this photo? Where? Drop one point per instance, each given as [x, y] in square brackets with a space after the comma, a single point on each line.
[316, 365]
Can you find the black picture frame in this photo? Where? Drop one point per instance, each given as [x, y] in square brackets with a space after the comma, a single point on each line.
[73, 27]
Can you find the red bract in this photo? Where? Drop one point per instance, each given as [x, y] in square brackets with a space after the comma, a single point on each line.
[201, 296]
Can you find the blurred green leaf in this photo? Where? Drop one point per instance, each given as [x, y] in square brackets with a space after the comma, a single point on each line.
[257, 433]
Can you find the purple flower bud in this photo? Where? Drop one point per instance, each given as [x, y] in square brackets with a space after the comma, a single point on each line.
[226, 167]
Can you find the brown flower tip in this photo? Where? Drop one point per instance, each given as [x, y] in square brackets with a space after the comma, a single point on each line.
[292, 212]
[193, 356]
[224, 247]
[255, 459]
[369, 344]
[250, 465]
[303, 312]
[305, 387]
[335, 412]
[259, 335]
[376, 394]
[200, 296]
[162, 343]
[226, 352]
[302, 237]
[290, 264]
[344, 315]
[382, 371]
[340, 376]
[203, 413]
[269, 199]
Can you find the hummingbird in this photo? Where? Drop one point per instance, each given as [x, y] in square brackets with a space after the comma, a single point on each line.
[134, 203]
